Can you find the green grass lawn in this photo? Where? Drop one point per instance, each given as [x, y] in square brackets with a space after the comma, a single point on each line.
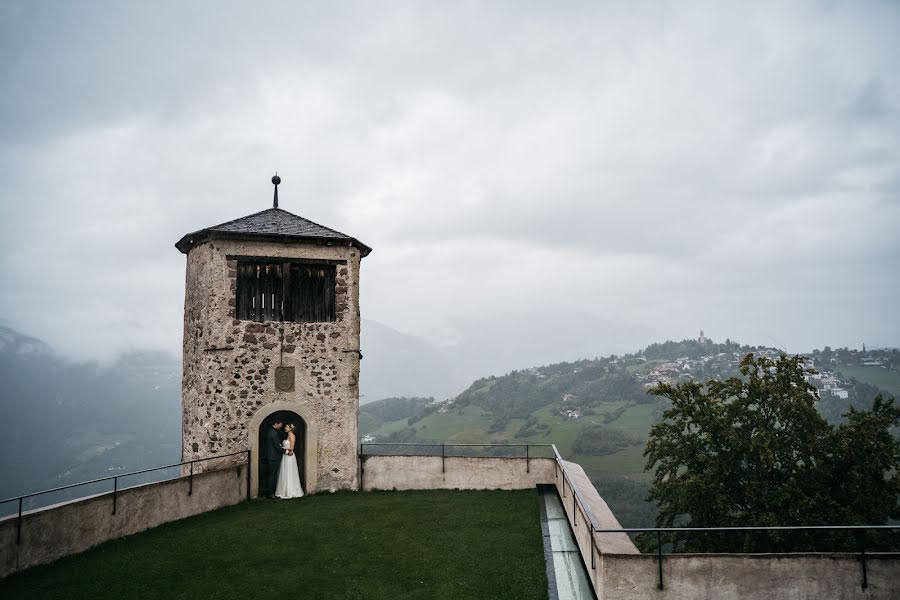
[434, 544]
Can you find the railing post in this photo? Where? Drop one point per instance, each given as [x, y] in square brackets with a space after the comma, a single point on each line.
[115, 492]
[248, 472]
[191, 480]
[527, 458]
[443, 457]
[659, 557]
[19, 524]
[862, 557]
[362, 470]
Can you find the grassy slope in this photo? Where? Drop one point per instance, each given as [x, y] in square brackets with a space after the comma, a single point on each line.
[468, 426]
[471, 424]
[471, 427]
[440, 544]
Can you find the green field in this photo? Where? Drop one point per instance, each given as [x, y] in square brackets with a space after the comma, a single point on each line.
[390, 545]
[885, 379]
[637, 420]
[627, 463]
[389, 428]
[467, 426]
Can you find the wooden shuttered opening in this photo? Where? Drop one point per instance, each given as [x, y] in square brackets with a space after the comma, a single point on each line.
[311, 293]
[285, 291]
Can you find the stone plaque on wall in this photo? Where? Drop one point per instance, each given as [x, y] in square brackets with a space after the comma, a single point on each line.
[284, 379]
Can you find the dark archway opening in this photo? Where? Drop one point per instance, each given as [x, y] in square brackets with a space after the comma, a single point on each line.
[285, 416]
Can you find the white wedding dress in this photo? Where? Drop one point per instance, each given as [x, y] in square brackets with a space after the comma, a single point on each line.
[288, 476]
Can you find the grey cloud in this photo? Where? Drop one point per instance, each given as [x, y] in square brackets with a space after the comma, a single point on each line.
[661, 168]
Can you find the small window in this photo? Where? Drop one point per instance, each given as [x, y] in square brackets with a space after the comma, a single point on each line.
[272, 290]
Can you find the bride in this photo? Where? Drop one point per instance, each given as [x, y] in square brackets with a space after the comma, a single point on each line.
[289, 475]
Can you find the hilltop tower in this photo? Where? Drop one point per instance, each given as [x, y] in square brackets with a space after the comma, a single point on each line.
[271, 329]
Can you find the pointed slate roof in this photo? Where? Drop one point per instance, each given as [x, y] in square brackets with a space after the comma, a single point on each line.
[272, 224]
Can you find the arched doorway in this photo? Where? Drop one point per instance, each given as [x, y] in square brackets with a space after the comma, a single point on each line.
[307, 441]
[285, 416]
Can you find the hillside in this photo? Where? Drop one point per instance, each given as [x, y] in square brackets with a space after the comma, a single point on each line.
[64, 422]
[598, 412]
[399, 364]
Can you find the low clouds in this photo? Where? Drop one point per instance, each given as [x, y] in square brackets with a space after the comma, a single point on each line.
[654, 170]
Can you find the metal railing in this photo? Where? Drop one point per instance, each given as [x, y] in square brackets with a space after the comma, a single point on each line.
[456, 450]
[661, 530]
[453, 450]
[115, 480]
[579, 505]
[526, 452]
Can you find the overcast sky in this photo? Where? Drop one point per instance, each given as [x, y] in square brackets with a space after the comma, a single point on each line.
[646, 169]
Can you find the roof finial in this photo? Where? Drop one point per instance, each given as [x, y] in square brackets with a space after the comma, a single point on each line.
[276, 180]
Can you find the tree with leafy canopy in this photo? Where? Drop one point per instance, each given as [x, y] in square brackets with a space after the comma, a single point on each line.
[754, 451]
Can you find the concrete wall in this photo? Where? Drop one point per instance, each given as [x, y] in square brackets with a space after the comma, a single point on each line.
[748, 577]
[63, 529]
[588, 541]
[228, 381]
[467, 473]
[619, 572]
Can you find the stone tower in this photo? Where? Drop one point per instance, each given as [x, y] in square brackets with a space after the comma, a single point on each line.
[271, 328]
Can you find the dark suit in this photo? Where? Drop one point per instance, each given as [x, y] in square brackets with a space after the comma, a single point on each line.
[271, 454]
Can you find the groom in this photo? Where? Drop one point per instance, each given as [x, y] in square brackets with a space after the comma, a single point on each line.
[271, 453]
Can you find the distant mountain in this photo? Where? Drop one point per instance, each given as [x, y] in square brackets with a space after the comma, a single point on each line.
[397, 364]
[374, 415]
[12, 342]
[64, 422]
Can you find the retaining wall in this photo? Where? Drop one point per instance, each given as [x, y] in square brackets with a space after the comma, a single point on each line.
[616, 569]
[619, 572]
[59, 530]
[454, 472]
[749, 576]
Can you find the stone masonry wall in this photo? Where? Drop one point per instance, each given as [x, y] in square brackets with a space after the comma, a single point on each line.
[229, 364]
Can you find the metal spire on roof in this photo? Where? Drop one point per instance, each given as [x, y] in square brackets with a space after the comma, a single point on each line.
[276, 180]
